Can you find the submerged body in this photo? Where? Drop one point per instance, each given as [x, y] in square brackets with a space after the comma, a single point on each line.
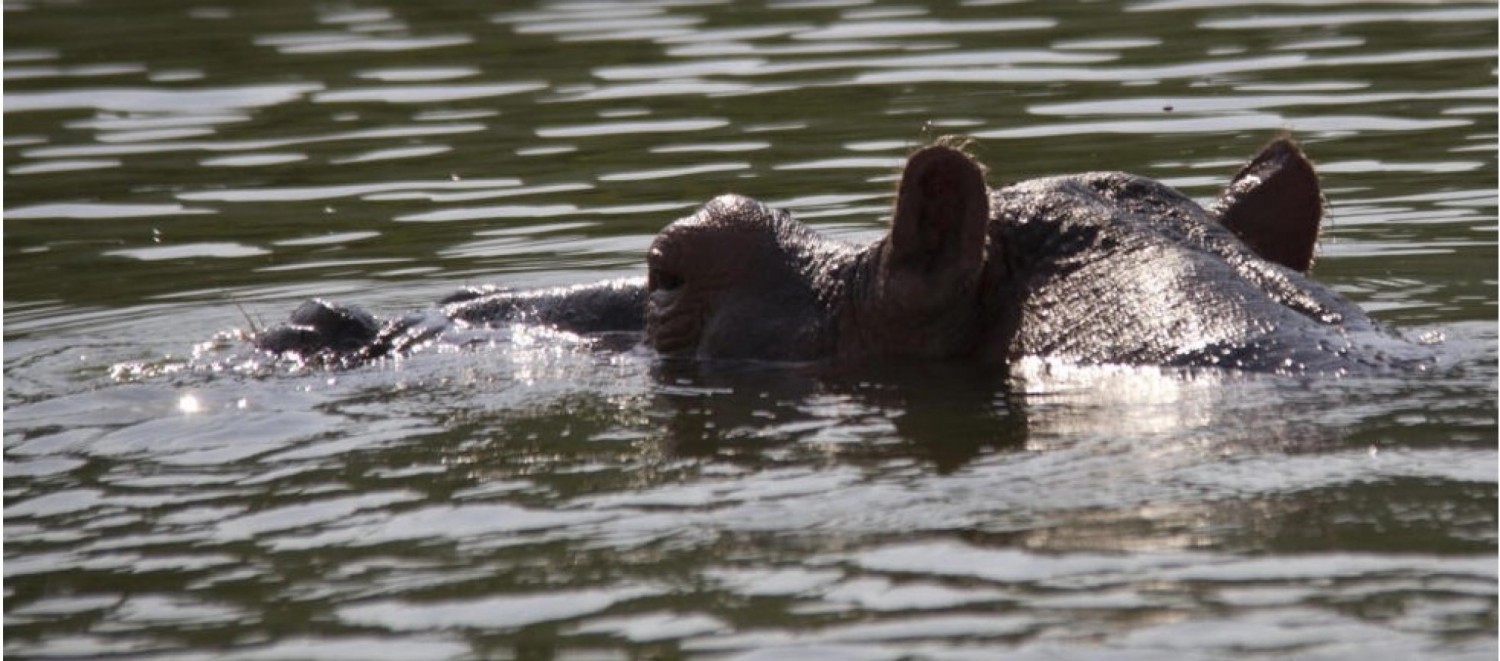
[1097, 268]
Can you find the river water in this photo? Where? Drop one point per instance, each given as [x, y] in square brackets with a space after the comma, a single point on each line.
[179, 170]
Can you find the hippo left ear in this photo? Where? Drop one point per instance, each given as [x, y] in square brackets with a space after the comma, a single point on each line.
[1275, 206]
[942, 208]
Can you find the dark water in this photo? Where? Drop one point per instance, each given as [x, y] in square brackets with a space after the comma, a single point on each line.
[174, 167]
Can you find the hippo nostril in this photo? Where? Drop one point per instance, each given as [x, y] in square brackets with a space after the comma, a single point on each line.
[660, 279]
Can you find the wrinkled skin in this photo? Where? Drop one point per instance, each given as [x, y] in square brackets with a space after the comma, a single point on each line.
[1097, 268]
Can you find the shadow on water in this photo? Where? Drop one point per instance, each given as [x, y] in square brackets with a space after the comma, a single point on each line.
[942, 414]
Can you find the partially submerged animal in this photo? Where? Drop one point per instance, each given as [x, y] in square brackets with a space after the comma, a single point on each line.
[1095, 268]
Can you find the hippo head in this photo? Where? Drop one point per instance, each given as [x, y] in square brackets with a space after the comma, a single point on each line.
[964, 268]
[739, 279]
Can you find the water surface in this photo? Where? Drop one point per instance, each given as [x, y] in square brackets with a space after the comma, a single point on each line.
[176, 171]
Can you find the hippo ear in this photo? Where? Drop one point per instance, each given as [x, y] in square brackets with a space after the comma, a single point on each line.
[942, 208]
[1275, 206]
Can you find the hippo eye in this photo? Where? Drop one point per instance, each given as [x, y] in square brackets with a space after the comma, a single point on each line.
[661, 279]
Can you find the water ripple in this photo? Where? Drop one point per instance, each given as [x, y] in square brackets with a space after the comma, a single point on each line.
[216, 250]
[82, 71]
[419, 74]
[875, 29]
[490, 614]
[1154, 105]
[625, 128]
[136, 99]
[673, 173]
[312, 43]
[425, 93]
[1202, 69]
[81, 210]
[658, 89]
[1328, 19]
[252, 160]
[1248, 122]
[68, 165]
[305, 193]
[391, 154]
[410, 131]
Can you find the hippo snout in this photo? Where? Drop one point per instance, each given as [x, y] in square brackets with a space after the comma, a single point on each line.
[317, 326]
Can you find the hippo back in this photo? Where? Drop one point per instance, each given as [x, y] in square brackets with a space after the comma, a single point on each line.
[1114, 268]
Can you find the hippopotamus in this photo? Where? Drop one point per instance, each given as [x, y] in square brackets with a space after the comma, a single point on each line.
[1093, 268]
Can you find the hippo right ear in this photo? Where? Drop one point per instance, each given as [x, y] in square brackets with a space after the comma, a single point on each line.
[1275, 206]
[942, 208]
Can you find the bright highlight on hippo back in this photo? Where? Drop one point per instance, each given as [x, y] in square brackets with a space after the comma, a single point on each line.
[1094, 268]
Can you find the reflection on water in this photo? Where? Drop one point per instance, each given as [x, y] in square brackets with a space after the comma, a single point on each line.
[542, 495]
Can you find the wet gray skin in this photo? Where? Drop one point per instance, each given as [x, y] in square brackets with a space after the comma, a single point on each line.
[738, 279]
[328, 334]
[1097, 268]
[1108, 268]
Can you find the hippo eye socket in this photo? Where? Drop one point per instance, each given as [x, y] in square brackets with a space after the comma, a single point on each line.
[660, 279]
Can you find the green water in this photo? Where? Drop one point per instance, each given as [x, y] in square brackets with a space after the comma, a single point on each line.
[177, 170]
